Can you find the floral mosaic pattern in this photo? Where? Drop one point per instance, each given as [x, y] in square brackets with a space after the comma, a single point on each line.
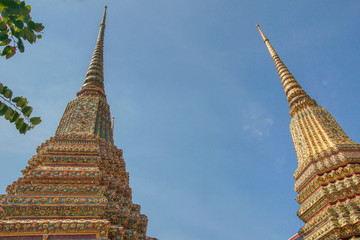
[21, 227]
[56, 185]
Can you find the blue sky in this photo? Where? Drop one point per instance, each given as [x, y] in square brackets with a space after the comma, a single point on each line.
[199, 109]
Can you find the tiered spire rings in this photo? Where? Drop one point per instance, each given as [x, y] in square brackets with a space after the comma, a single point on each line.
[94, 79]
[327, 178]
[296, 96]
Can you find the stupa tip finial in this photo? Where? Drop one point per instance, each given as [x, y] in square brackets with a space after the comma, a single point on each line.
[104, 16]
[261, 33]
[94, 79]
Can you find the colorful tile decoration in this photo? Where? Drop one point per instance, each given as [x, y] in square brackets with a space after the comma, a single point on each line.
[328, 174]
[77, 183]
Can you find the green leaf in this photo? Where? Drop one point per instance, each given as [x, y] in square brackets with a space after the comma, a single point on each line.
[8, 52]
[38, 27]
[4, 51]
[20, 45]
[8, 93]
[19, 24]
[16, 99]
[22, 5]
[27, 110]
[2, 106]
[31, 25]
[5, 42]
[35, 120]
[27, 18]
[2, 111]
[3, 90]
[19, 123]
[21, 34]
[29, 35]
[15, 31]
[39, 36]
[23, 128]
[1, 87]
[15, 117]
[3, 36]
[8, 113]
[5, 12]
[3, 26]
[22, 102]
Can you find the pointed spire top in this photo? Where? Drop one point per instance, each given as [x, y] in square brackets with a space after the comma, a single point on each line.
[94, 79]
[262, 34]
[296, 96]
[104, 16]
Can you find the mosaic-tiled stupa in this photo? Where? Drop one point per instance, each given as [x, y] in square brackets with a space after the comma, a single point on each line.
[76, 186]
[328, 173]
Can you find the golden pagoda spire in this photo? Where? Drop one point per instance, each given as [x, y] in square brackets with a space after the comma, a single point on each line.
[94, 79]
[327, 177]
[296, 96]
[311, 123]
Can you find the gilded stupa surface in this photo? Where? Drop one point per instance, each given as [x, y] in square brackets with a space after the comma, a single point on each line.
[76, 186]
[327, 177]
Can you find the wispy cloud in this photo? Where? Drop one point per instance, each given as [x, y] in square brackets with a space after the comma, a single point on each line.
[257, 123]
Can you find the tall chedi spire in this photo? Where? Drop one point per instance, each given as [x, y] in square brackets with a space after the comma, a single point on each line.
[328, 174]
[89, 113]
[76, 185]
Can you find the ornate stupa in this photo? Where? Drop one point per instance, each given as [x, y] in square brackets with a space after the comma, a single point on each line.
[328, 173]
[76, 186]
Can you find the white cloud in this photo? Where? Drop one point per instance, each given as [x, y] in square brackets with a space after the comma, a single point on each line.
[258, 123]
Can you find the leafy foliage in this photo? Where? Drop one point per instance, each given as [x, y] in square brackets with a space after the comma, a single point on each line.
[17, 110]
[16, 26]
